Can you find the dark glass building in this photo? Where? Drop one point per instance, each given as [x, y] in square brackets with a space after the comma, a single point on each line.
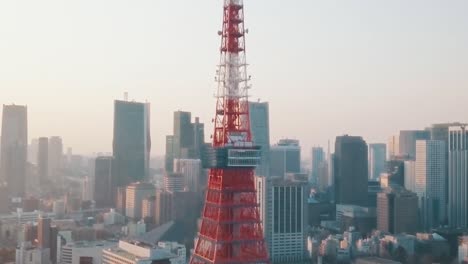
[260, 127]
[103, 194]
[132, 142]
[285, 157]
[350, 170]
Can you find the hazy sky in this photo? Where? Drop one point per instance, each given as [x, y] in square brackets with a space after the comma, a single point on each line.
[361, 67]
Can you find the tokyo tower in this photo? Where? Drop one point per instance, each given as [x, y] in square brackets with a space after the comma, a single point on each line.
[231, 230]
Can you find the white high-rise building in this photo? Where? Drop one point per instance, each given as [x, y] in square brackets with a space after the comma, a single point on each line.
[410, 175]
[191, 169]
[283, 211]
[430, 181]
[135, 194]
[458, 177]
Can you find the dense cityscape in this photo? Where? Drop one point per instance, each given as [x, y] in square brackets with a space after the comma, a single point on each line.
[225, 193]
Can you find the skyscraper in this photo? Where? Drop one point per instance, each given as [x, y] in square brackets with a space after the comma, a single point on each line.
[377, 159]
[458, 176]
[14, 147]
[393, 146]
[285, 157]
[55, 157]
[43, 232]
[132, 142]
[318, 159]
[260, 126]
[408, 141]
[283, 211]
[430, 182]
[397, 211]
[103, 194]
[191, 170]
[43, 160]
[187, 141]
[350, 170]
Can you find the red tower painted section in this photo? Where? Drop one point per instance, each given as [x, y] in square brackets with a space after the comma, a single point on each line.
[231, 230]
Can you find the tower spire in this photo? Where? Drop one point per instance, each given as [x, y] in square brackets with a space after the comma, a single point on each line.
[231, 230]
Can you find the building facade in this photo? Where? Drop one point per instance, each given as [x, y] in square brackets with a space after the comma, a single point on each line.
[318, 160]
[430, 182]
[131, 143]
[285, 157]
[283, 211]
[350, 170]
[103, 193]
[191, 170]
[260, 127]
[397, 211]
[135, 194]
[55, 158]
[408, 138]
[14, 148]
[458, 177]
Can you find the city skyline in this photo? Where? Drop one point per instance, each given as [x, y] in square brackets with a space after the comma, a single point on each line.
[394, 53]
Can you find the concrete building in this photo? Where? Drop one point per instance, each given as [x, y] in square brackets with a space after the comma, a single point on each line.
[131, 143]
[176, 249]
[458, 177]
[43, 160]
[350, 170]
[135, 252]
[260, 127]
[377, 159]
[55, 158]
[285, 157]
[397, 211]
[174, 182]
[26, 253]
[103, 193]
[430, 182]
[191, 170]
[13, 148]
[163, 209]
[408, 140]
[84, 252]
[135, 194]
[283, 211]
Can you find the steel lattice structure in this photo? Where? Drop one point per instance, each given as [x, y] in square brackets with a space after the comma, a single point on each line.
[231, 230]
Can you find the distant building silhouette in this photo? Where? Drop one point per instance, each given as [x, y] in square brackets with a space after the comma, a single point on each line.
[132, 142]
[377, 159]
[14, 146]
[43, 160]
[350, 170]
[55, 157]
[318, 161]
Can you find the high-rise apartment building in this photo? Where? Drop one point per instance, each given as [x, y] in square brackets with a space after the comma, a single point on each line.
[430, 182]
[458, 177]
[132, 142]
[169, 157]
[283, 211]
[350, 170]
[14, 147]
[43, 160]
[55, 157]
[408, 140]
[260, 126]
[377, 159]
[135, 194]
[43, 232]
[163, 210]
[285, 157]
[410, 175]
[397, 211]
[191, 170]
[103, 193]
[318, 159]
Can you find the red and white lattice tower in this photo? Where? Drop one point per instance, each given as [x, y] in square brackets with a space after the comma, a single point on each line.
[231, 230]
